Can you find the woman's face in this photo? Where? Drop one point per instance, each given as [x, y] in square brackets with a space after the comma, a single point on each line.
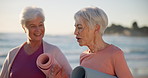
[84, 34]
[35, 29]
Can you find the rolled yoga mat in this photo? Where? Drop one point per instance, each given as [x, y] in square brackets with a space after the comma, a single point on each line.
[46, 64]
[83, 72]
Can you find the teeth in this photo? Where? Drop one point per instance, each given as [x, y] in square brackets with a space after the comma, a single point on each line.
[38, 34]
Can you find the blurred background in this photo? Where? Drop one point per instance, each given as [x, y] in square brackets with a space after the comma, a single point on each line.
[127, 29]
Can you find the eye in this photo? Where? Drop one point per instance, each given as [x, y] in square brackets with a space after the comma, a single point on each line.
[32, 26]
[80, 27]
[41, 25]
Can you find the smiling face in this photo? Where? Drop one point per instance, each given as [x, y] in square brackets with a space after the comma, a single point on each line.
[35, 29]
[84, 34]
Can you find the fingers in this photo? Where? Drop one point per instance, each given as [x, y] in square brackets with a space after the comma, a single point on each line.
[54, 70]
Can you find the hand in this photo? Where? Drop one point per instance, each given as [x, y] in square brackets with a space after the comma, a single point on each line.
[54, 70]
[62, 74]
[57, 72]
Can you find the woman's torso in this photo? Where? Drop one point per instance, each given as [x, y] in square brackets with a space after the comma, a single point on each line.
[24, 65]
[102, 61]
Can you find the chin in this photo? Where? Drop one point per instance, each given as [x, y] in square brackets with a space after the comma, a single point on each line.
[39, 39]
[81, 44]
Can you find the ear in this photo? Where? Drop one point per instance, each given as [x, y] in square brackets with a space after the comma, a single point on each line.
[23, 28]
[97, 28]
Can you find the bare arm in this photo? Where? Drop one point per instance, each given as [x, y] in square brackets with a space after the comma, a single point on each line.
[121, 67]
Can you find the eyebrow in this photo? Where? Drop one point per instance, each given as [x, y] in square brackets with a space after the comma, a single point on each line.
[77, 25]
[31, 24]
[41, 21]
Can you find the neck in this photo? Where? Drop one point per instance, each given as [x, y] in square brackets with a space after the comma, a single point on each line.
[97, 44]
[32, 44]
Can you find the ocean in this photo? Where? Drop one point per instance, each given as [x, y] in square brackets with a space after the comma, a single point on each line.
[135, 48]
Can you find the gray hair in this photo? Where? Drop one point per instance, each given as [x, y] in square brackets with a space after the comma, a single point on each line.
[30, 13]
[93, 16]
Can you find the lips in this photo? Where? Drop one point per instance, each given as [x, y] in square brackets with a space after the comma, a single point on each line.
[78, 38]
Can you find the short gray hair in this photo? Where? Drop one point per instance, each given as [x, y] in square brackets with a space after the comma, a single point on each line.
[93, 16]
[30, 13]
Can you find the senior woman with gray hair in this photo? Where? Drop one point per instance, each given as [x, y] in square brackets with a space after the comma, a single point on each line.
[90, 24]
[21, 61]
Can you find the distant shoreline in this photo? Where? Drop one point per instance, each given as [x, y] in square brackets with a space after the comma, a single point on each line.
[118, 30]
[122, 30]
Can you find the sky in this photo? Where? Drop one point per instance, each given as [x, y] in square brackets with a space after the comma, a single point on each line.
[59, 13]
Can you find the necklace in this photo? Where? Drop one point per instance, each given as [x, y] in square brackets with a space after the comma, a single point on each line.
[99, 48]
[30, 50]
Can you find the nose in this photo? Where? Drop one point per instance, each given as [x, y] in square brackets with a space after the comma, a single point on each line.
[76, 32]
[38, 28]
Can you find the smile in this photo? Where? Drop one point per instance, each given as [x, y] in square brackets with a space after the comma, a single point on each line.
[38, 34]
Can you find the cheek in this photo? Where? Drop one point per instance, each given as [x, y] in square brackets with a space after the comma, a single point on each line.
[88, 37]
[43, 30]
[29, 33]
[85, 37]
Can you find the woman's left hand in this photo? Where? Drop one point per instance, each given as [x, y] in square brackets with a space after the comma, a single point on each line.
[57, 72]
